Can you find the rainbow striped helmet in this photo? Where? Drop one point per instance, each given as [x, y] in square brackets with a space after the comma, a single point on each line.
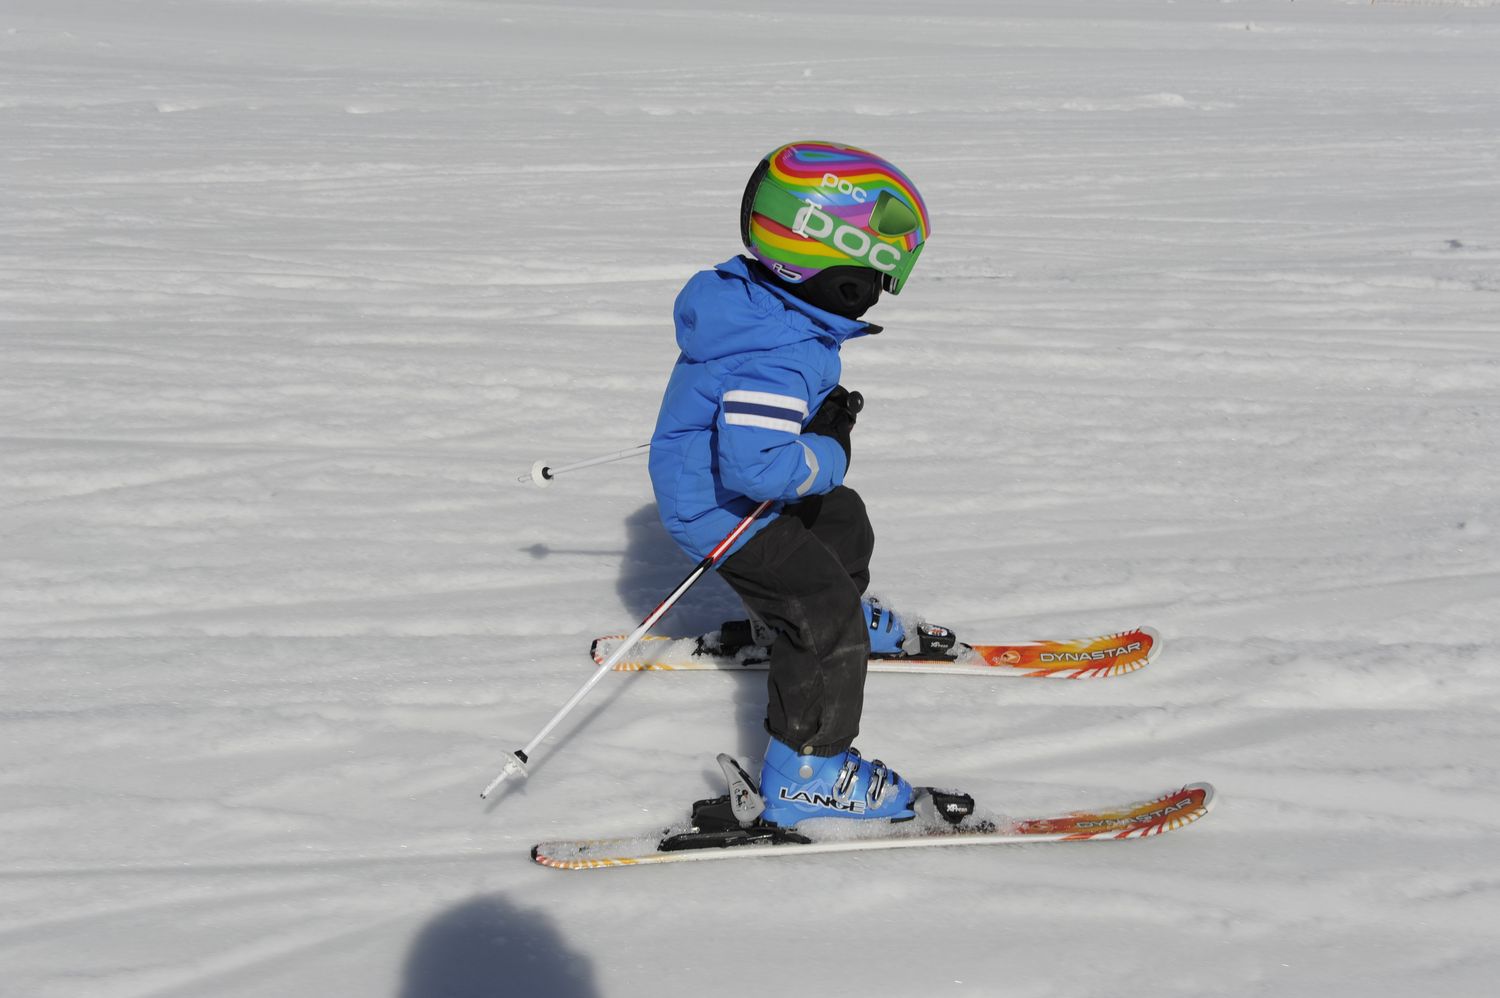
[814, 205]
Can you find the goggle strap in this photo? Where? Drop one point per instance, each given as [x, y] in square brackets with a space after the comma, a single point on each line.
[752, 195]
[782, 206]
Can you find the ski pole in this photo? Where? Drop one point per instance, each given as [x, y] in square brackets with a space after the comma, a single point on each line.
[515, 764]
[542, 474]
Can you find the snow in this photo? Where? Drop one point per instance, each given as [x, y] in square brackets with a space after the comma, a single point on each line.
[291, 292]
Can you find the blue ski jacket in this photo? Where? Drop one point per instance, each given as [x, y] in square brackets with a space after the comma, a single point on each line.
[756, 363]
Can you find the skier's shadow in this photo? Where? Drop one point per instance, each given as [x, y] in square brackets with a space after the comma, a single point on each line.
[651, 569]
[489, 948]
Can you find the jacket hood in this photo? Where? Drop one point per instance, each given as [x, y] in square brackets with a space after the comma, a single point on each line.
[731, 310]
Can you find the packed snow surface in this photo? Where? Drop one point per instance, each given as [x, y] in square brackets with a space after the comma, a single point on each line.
[1205, 338]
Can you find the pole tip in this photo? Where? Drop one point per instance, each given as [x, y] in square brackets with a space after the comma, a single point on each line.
[541, 474]
[515, 765]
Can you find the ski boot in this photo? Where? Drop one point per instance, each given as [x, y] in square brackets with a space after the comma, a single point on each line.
[751, 640]
[889, 638]
[796, 787]
[753, 637]
[731, 820]
[741, 817]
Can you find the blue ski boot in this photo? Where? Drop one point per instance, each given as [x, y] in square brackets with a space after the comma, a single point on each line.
[797, 787]
[886, 631]
[889, 638]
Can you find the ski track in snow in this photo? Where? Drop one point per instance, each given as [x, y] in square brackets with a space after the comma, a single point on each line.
[291, 292]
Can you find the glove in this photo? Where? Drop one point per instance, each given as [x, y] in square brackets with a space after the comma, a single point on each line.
[835, 417]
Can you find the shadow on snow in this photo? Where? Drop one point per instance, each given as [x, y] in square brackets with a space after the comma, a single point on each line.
[652, 567]
[489, 948]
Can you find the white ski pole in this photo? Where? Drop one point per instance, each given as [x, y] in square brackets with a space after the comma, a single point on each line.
[542, 474]
[515, 763]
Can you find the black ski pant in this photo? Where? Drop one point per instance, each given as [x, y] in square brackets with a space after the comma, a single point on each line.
[804, 575]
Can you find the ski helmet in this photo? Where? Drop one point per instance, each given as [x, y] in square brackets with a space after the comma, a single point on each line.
[814, 205]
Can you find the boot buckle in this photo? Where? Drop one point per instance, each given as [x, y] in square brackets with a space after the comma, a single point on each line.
[848, 779]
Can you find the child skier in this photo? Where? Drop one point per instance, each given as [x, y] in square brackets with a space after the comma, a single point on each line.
[754, 411]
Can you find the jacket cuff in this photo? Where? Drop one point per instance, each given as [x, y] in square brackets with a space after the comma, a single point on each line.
[832, 464]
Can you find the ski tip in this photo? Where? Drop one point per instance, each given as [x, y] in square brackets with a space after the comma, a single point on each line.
[1175, 810]
[1156, 644]
[1208, 792]
[1188, 805]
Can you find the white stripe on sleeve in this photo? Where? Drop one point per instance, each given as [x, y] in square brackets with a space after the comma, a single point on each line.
[764, 422]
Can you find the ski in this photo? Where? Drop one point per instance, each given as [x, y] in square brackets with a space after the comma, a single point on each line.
[944, 818]
[1078, 658]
